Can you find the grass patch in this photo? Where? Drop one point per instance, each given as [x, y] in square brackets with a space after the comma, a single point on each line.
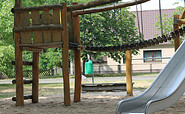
[8, 90]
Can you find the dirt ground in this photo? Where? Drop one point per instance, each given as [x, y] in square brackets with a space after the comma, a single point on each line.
[91, 103]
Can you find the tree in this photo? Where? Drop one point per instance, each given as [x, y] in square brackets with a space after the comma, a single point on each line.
[6, 23]
[110, 28]
[167, 23]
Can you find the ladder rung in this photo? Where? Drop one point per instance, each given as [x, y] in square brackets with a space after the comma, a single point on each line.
[25, 97]
[24, 81]
[29, 63]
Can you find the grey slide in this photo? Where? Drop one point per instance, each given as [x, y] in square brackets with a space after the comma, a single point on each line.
[165, 91]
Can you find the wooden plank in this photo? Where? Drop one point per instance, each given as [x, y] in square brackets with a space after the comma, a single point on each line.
[65, 58]
[77, 59]
[32, 49]
[37, 35]
[56, 19]
[39, 28]
[129, 72]
[25, 21]
[70, 27]
[18, 59]
[37, 8]
[35, 77]
[46, 20]
[104, 87]
[177, 38]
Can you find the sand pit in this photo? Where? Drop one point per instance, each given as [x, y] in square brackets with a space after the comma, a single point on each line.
[92, 103]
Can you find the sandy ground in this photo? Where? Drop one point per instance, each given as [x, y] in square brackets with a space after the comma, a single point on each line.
[91, 103]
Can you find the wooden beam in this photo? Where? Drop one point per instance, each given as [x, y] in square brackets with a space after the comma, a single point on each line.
[25, 98]
[39, 28]
[129, 73]
[18, 59]
[37, 8]
[35, 77]
[28, 63]
[24, 81]
[110, 7]
[65, 57]
[180, 21]
[182, 15]
[77, 59]
[177, 38]
[32, 49]
[90, 4]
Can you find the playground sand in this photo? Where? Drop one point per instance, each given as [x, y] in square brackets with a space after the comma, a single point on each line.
[91, 103]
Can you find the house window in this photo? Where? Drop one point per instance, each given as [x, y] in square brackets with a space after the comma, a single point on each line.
[152, 56]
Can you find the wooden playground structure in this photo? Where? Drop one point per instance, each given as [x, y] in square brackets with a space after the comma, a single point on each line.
[57, 26]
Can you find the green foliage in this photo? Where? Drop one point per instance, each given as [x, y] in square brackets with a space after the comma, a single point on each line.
[167, 23]
[6, 57]
[110, 28]
[6, 23]
[51, 58]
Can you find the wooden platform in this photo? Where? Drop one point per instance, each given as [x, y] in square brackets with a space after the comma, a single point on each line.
[104, 87]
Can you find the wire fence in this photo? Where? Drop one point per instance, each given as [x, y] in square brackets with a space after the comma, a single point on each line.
[99, 69]
[136, 68]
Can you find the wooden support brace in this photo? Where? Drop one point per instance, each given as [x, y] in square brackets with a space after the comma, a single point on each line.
[177, 38]
[18, 59]
[65, 57]
[35, 77]
[129, 73]
[77, 59]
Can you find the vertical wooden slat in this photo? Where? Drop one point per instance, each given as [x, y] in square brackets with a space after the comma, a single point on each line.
[70, 27]
[65, 58]
[56, 19]
[18, 59]
[35, 77]
[37, 35]
[177, 38]
[25, 21]
[77, 59]
[46, 20]
[129, 72]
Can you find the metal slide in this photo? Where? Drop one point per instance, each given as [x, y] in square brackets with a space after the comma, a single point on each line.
[165, 91]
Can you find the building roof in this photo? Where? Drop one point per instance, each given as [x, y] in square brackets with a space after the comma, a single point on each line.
[149, 20]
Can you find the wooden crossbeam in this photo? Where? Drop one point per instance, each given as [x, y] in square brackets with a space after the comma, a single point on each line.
[28, 63]
[182, 15]
[36, 8]
[90, 4]
[39, 28]
[25, 98]
[24, 81]
[110, 7]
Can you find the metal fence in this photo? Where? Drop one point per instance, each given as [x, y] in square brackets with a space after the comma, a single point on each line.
[28, 73]
[136, 68]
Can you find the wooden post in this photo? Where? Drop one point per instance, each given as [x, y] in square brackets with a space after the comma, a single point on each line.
[18, 59]
[65, 57]
[35, 77]
[176, 27]
[129, 72]
[77, 59]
